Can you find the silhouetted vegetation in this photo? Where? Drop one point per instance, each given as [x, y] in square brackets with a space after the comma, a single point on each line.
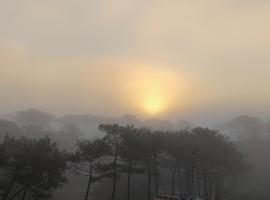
[32, 166]
[84, 160]
[125, 163]
[205, 162]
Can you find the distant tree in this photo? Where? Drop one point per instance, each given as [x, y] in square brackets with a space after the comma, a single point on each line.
[67, 136]
[243, 127]
[8, 127]
[3, 156]
[34, 117]
[3, 161]
[35, 131]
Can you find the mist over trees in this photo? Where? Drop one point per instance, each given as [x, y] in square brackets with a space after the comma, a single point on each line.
[252, 137]
[44, 157]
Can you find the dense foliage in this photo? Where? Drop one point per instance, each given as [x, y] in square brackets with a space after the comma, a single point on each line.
[32, 168]
[197, 162]
[205, 163]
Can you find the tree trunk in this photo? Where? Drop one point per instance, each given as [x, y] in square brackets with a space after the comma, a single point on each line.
[89, 181]
[179, 181]
[149, 186]
[10, 184]
[205, 185]
[26, 188]
[114, 175]
[221, 185]
[156, 178]
[173, 179]
[187, 181]
[16, 194]
[199, 182]
[210, 186]
[192, 181]
[234, 187]
[129, 179]
[217, 193]
[149, 181]
[24, 193]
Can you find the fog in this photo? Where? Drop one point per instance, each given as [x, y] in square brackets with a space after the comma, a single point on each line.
[250, 135]
[150, 97]
[84, 57]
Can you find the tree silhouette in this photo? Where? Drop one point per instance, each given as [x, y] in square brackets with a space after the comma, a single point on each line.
[204, 160]
[113, 139]
[178, 146]
[131, 155]
[33, 164]
[84, 159]
[151, 146]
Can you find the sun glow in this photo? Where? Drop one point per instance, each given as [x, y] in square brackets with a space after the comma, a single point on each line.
[154, 91]
[153, 105]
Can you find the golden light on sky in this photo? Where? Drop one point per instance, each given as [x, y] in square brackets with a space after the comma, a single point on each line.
[154, 104]
[154, 91]
[138, 57]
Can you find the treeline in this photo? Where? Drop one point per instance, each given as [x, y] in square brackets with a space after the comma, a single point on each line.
[198, 162]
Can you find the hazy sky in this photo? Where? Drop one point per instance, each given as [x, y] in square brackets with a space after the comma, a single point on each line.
[203, 58]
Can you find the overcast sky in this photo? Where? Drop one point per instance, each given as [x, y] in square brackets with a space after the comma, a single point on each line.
[200, 58]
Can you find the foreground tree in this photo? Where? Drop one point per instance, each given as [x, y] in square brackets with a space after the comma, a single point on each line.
[84, 160]
[151, 147]
[131, 155]
[113, 139]
[204, 160]
[219, 160]
[178, 146]
[35, 165]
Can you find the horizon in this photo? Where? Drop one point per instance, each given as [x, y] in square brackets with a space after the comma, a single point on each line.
[195, 121]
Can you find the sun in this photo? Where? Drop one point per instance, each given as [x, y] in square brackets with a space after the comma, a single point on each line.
[153, 105]
[154, 91]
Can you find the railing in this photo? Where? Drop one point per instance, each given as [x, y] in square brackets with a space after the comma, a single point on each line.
[167, 197]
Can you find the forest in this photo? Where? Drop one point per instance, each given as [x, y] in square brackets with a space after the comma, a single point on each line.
[42, 157]
[125, 163]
